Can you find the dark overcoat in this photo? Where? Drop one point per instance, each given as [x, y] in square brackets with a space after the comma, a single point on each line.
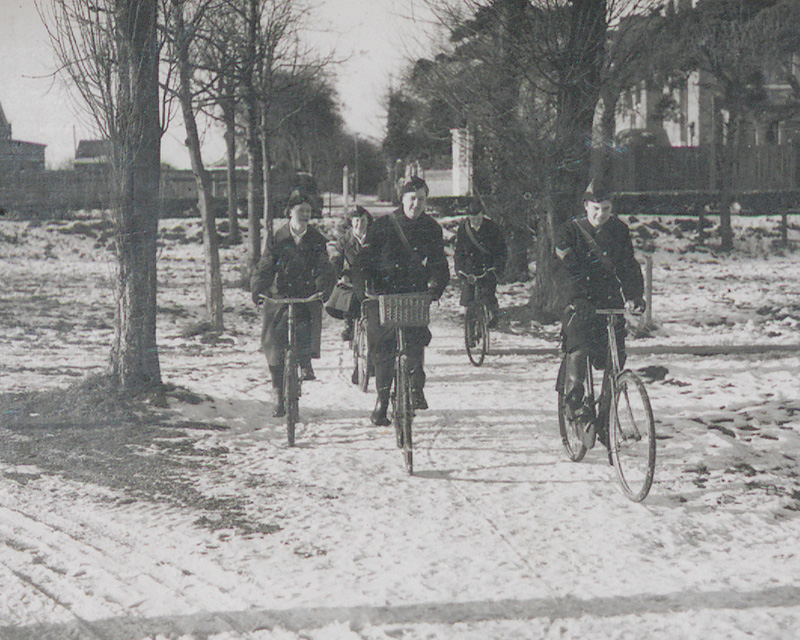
[390, 268]
[589, 282]
[292, 270]
[344, 258]
[468, 258]
[584, 275]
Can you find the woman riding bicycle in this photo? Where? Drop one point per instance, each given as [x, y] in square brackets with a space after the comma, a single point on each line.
[480, 249]
[599, 268]
[296, 265]
[404, 253]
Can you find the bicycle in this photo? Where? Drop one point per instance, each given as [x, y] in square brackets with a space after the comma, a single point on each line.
[631, 427]
[476, 321]
[401, 311]
[361, 354]
[291, 366]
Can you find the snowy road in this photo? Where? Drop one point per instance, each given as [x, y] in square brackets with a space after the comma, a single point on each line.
[209, 526]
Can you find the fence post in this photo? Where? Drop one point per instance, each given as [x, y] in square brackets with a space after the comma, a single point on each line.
[648, 291]
[346, 188]
[784, 228]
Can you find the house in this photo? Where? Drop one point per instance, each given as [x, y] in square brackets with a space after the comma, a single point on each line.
[93, 154]
[17, 156]
[689, 114]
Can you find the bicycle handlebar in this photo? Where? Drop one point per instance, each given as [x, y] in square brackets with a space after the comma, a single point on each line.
[316, 296]
[617, 312]
[470, 277]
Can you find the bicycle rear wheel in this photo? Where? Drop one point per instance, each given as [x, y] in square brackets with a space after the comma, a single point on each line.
[361, 353]
[403, 413]
[633, 437]
[476, 333]
[571, 432]
[291, 394]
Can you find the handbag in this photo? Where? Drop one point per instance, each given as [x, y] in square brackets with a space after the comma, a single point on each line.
[338, 304]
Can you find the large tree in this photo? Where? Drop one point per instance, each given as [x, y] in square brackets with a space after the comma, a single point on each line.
[527, 77]
[109, 52]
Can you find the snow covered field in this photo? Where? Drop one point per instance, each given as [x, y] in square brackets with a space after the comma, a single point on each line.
[199, 522]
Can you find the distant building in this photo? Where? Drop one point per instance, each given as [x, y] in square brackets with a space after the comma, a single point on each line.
[93, 154]
[17, 156]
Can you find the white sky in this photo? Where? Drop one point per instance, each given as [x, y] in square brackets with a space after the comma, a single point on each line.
[374, 38]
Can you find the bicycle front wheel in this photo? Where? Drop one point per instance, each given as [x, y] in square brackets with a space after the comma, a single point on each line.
[291, 394]
[404, 412]
[571, 432]
[476, 334]
[633, 437]
[361, 354]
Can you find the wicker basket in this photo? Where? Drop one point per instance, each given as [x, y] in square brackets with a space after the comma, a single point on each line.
[405, 309]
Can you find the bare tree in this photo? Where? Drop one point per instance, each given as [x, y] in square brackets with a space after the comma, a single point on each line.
[527, 76]
[734, 42]
[109, 52]
[186, 25]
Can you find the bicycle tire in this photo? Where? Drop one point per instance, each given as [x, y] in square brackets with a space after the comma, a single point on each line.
[571, 436]
[633, 437]
[404, 412]
[476, 334]
[291, 395]
[361, 354]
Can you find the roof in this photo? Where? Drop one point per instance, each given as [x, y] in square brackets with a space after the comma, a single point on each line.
[93, 150]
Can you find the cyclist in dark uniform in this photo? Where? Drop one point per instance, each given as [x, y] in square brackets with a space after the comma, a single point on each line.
[599, 268]
[296, 265]
[404, 253]
[480, 248]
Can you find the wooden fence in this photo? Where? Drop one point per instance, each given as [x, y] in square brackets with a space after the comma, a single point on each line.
[756, 168]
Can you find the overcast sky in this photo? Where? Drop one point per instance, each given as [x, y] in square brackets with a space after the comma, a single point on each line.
[373, 37]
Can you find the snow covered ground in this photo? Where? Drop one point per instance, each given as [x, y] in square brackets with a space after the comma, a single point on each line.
[199, 522]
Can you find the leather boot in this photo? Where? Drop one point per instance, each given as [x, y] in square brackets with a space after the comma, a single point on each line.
[574, 377]
[417, 374]
[378, 417]
[574, 394]
[277, 385]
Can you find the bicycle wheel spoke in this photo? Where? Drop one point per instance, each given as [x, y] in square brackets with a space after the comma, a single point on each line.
[571, 435]
[633, 438]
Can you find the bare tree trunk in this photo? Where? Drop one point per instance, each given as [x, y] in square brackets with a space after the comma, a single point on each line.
[213, 278]
[577, 100]
[729, 152]
[137, 157]
[229, 118]
[266, 180]
[254, 189]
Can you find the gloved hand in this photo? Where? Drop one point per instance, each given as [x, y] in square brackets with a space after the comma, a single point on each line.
[638, 306]
[583, 308]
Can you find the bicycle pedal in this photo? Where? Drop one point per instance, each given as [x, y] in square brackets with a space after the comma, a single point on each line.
[589, 435]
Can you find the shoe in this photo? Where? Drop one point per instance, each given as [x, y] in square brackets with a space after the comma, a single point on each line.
[307, 372]
[583, 417]
[354, 377]
[418, 400]
[378, 416]
[602, 436]
[280, 408]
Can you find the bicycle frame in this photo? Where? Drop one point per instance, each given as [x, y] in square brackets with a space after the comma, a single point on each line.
[291, 379]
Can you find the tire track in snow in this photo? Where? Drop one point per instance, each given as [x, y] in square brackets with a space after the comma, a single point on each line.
[48, 547]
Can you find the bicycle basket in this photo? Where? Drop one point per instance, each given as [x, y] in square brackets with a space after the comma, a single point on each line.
[405, 310]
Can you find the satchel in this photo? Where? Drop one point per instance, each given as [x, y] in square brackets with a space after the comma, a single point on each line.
[338, 304]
